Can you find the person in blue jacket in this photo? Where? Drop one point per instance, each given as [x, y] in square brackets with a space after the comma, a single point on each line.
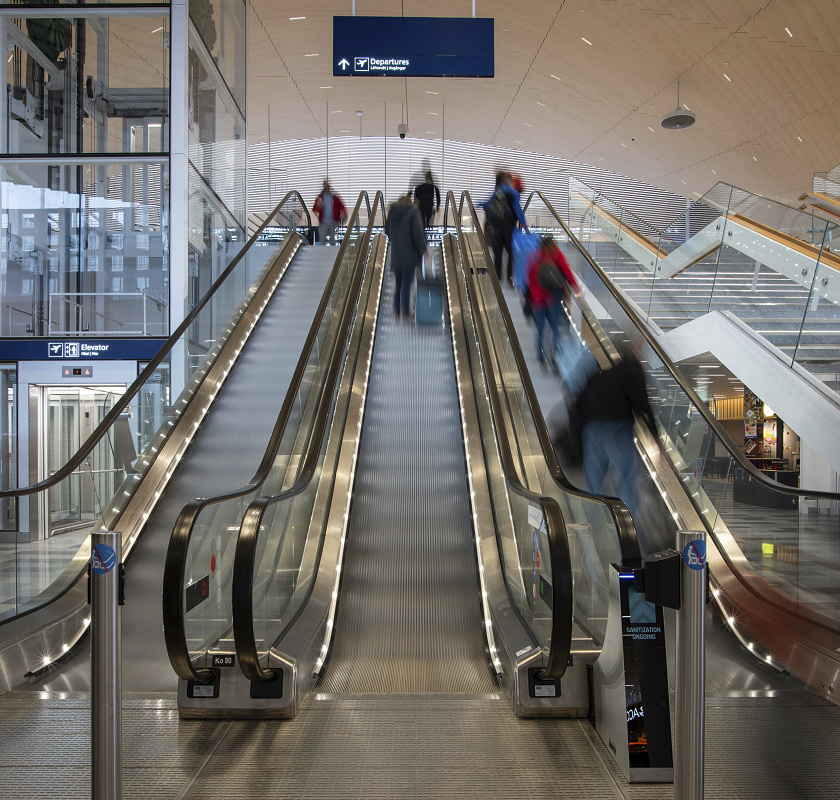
[503, 211]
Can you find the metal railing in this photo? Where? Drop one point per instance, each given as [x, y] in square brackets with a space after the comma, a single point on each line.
[72, 302]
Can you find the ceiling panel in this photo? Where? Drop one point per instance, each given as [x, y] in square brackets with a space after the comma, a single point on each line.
[606, 97]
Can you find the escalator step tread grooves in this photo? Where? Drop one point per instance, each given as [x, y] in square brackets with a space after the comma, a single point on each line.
[409, 616]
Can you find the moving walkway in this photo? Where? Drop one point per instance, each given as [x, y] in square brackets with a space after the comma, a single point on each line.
[233, 356]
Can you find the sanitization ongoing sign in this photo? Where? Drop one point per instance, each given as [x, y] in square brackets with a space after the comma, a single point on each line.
[420, 47]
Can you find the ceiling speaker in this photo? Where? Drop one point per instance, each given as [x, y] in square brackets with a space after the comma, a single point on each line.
[681, 118]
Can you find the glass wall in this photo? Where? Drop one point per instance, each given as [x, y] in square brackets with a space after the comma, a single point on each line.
[84, 249]
[84, 174]
[217, 142]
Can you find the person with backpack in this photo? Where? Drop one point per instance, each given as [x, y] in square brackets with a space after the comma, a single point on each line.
[502, 213]
[550, 281]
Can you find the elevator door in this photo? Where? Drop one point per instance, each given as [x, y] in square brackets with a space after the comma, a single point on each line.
[67, 416]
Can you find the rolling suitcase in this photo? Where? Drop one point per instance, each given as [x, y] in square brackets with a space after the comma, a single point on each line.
[428, 301]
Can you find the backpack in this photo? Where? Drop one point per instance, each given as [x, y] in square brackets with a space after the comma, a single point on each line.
[552, 280]
[499, 211]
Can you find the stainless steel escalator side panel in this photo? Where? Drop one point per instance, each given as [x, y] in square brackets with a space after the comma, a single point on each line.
[300, 652]
[516, 649]
[65, 621]
[792, 641]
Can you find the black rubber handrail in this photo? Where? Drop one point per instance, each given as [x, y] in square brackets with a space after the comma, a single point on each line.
[558, 542]
[671, 367]
[246, 544]
[174, 623]
[108, 420]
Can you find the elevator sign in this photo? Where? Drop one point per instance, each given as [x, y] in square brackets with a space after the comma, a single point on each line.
[32, 349]
[423, 47]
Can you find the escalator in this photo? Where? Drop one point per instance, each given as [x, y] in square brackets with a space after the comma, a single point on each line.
[770, 571]
[238, 349]
[421, 543]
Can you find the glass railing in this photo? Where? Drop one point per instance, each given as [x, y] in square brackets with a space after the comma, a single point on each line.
[209, 528]
[782, 532]
[279, 545]
[599, 532]
[41, 555]
[770, 265]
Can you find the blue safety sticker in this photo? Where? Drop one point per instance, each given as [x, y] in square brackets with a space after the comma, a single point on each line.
[102, 558]
[694, 554]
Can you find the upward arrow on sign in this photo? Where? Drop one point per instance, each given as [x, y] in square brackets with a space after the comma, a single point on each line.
[344, 63]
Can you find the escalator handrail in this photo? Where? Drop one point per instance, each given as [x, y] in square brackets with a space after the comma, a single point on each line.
[109, 419]
[174, 623]
[657, 348]
[558, 541]
[247, 539]
[626, 529]
[821, 621]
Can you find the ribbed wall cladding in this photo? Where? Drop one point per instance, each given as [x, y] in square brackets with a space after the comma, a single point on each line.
[354, 164]
[409, 614]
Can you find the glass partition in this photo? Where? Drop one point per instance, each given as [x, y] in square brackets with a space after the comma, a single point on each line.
[286, 527]
[783, 534]
[770, 265]
[38, 547]
[123, 63]
[85, 249]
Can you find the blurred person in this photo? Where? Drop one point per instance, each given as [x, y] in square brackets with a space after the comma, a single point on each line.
[606, 409]
[550, 281]
[405, 232]
[330, 210]
[502, 213]
[427, 196]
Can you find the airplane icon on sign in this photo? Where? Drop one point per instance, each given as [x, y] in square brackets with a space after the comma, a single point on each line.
[56, 349]
[361, 64]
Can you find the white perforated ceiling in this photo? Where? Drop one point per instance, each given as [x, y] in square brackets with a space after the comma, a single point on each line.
[757, 91]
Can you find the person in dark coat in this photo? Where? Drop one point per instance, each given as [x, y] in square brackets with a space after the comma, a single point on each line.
[606, 409]
[427, 196]
[503, 211]
[404, 229]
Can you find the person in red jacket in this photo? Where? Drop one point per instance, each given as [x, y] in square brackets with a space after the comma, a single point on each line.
[330, 211]
[550, 280]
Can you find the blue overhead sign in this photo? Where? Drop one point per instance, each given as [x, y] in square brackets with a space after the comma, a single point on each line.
[422, 47]
[80, 349]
